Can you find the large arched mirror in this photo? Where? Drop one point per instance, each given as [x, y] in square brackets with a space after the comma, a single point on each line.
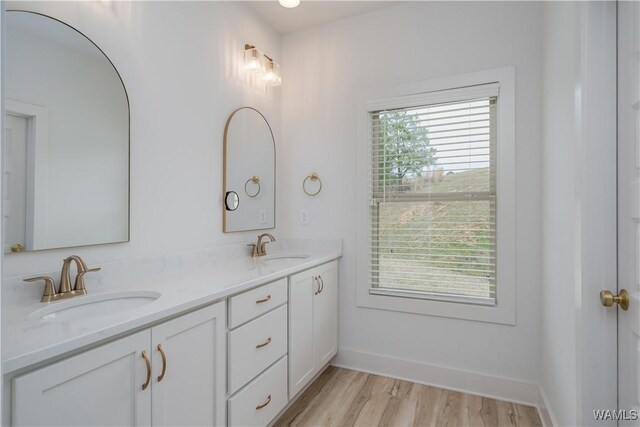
[249, 172]
[66, 153]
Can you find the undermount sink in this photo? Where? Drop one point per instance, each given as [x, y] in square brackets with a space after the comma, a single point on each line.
[84, 307]
[285, 256]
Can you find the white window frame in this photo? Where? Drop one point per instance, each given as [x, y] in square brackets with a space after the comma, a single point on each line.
[504, 311]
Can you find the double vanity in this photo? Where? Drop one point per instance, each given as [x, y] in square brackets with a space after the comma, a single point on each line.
[219, 340]
[225, 336]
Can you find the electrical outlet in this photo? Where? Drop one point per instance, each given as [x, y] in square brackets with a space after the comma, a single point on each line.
[263, 216]
[304, 216]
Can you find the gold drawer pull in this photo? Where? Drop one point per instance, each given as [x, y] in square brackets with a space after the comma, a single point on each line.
[260, 301]
[264, 344]
[265, 403]
[164, 362]
[148, 363]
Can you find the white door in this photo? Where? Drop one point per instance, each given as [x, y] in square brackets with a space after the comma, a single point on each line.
[325, 312]
[629, 209]
[189, 369]
[302, 287]
[101, 387]
[15, 182]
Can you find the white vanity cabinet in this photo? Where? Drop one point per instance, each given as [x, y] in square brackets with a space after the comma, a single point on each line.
[192, 390]
[98, 387]
[313, 323]
[236, 362]
[103, 386]
[257, 355]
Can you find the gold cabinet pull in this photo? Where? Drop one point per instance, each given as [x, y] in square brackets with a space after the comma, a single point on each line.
[164, 362]
[321, 284]
[148, 363]
[262, 405]
[318, 282]
[267, 299]
[264, 344]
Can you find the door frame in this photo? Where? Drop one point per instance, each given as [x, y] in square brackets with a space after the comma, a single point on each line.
[596, 337]
[37, 168]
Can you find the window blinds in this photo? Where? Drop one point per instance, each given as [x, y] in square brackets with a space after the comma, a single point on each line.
[433, 198]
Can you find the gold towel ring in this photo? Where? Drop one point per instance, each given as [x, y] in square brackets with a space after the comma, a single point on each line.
[255, 180]
[313, 176]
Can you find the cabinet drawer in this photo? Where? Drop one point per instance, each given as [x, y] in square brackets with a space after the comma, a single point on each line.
[256, 302]
[259, 402]
[255, 346]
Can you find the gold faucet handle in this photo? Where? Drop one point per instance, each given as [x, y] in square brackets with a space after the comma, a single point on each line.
[79, 285]
[49, 286]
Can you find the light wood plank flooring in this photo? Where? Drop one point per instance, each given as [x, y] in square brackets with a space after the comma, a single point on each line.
[342, 397]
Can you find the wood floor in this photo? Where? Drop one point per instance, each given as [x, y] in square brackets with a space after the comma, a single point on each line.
[342, 397]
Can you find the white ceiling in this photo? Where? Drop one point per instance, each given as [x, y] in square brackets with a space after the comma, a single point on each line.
[312, 13]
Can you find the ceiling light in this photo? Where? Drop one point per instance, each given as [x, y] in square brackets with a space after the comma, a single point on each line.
[289, 3]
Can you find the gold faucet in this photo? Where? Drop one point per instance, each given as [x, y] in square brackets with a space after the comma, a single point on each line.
[258, 249]
[64, 290]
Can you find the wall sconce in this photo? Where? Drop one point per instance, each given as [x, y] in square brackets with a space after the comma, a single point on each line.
[262, 66]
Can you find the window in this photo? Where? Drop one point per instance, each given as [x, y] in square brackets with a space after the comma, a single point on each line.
[436, 168]
[433, 198]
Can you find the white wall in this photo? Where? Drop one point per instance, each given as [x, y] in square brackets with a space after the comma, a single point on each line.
[326, 71]
[180, 64]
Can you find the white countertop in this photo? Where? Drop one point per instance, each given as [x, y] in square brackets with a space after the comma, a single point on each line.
[193, 284]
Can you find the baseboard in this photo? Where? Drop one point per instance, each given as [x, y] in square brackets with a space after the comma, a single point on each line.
[453, 379]
[546, 416]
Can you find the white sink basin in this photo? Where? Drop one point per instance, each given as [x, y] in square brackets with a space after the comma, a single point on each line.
[89, 306]
[285, 256]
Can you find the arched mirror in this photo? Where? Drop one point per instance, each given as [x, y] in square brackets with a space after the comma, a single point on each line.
[66, 153]
[249, 172]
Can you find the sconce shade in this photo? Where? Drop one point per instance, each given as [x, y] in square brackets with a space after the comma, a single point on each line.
[272, 75]
[254, 60]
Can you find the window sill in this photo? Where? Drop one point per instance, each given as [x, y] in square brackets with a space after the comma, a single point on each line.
[381, 300]
[401, 293]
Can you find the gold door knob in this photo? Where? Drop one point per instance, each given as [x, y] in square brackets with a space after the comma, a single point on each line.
[17, 247]
[608, 299]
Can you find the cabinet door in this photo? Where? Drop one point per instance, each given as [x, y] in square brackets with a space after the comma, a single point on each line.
[192, 390]
[301, 368]
[102, 387]
[325, 313]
